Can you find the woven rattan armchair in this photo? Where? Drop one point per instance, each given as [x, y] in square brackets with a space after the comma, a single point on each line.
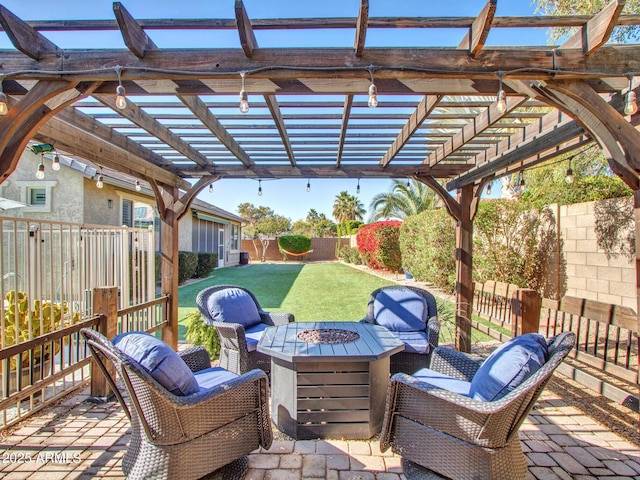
[238, 346]
[186, 437]
[456, 436]
[409, 360]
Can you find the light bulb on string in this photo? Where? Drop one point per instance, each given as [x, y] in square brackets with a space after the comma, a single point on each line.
[40, 170]
[138, 186]
[501, 99]
[259, 188]
[244, 98]
[489, 188]
[4, 107]
[211, 188]
[630, 104]
[100, 179]
[308, 185]
[408, 183]
[358, 187]
[373, 91]
[55, 165]
[569, 176]
[121, 99]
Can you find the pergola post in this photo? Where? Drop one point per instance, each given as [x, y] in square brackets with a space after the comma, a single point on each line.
[169, 266]
[636, 207]
[464, 269]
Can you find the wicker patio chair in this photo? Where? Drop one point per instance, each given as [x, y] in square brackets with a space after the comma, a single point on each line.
[456, 436]
[239, 335]
[397, 303]
[209, 432]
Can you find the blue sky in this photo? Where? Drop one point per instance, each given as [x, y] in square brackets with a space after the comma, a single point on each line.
[286, 197]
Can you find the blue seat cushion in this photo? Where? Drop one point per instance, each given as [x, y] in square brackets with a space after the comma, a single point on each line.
[414, 342]
[233, 305]
[159, 360]
[211, 377]
[508, 366]
[253, 336]
[443, 381]
[400, 310]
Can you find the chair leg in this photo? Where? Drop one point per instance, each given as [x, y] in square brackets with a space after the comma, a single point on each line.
[235, 470]
[413, 471]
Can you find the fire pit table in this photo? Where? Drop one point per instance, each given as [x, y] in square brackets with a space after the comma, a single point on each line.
[329, 379]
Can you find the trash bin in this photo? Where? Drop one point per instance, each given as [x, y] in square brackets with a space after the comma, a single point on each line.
[244, 258]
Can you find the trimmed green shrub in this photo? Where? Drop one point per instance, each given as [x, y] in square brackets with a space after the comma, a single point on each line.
[200, 334]
[206, 263]
[294, 243]
[428, 246]
[349, 227]
[187, 263]
[350, 255]
[379, 245]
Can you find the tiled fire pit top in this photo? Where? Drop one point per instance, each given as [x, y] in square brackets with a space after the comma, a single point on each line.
[328, 336]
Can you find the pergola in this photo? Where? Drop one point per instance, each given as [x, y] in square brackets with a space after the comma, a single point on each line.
[441, 114]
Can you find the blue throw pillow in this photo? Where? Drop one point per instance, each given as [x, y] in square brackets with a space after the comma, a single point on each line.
[401, 310]
[233, 305]
[159, 360]
[508, 366]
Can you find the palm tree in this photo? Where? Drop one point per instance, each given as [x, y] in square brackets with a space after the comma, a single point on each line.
[402, 200]
[347, 207]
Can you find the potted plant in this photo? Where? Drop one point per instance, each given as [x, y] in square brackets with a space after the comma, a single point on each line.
[22, 324]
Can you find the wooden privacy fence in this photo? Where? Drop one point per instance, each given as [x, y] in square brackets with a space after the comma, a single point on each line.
[607, 335]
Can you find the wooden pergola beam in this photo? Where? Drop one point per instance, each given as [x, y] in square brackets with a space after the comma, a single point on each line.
[424, 108]
[597, 30]
[200, 110]
[476, 37]
[24, 37]
[135, 38]
[245, 30]
[481, 122]
[361, 28]
[148, 123]
[344, 124]
[272, 103]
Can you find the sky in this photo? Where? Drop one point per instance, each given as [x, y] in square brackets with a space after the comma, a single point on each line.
[285, 197]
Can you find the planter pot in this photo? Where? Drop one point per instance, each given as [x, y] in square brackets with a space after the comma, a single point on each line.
[407, 275]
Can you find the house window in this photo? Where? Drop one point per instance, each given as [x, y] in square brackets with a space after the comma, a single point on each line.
[37, 195]
[235, 234]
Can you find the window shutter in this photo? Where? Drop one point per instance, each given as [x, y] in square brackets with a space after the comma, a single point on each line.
[127, 212]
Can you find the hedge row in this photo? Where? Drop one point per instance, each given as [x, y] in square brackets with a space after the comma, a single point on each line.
[195, 265]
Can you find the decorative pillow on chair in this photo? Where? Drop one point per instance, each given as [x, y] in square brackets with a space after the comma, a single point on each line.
[233, 305]
[400, 309]
[159, 360]
[508, 366]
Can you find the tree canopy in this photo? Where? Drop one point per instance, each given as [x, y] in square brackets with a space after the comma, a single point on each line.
[262, 224]
[347, 207]
[403, 200]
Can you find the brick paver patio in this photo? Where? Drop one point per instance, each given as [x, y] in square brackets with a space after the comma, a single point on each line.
[82, 440]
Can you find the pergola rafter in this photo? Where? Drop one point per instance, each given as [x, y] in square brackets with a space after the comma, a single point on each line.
[437, 120]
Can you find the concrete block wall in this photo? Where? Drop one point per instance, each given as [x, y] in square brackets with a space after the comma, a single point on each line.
[590, 274]
[323, 249]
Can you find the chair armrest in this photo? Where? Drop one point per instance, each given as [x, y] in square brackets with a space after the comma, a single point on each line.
[369, 320]
[454, 363]
[277, 318]
[433, 332]
[196, 358]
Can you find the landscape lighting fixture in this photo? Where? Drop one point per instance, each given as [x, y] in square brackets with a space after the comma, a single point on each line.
[244, 99]
[4, 108]
[55, 165]
[630, 105]
[40, 170]
[138, 186]
[569, 177]
[100, 179]
[308, 185]
[121, 99]
[259, 188]
[373, 91]
[358, 187]
[501, 99]
[211, 188]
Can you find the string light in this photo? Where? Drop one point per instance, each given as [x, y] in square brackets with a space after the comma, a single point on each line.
[40, 170]
[4, 108]
[522, 182]
[55, 165]
[373, 91]
[259, 188]
[138, 186]
[358, 187]
[100, 179]
[244, 99]
[308, 185]
[630, 105]
[489, 188]
[121, 99]
[408, 183]
[501, 99]
[211, 188]
[569, 176]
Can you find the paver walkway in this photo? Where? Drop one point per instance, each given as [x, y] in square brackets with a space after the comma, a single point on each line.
[81, 440]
